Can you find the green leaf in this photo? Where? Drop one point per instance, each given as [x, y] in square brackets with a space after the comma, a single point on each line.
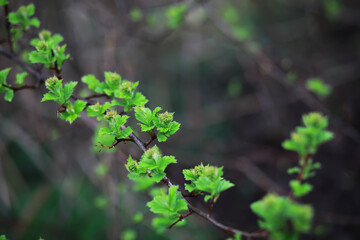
[3, 75]
[168, 204]
[69, 89]
[300, 189]
[112, 79]
[20, 78]
[3, 3]
[9, 95]
[101, 169]
[93, 83]
[305, 140]
[73, 111]
[278, 213]
[3, 237]
[97, 110]
[293, 170]
[135, 14]
[175, 15]
[207, 180]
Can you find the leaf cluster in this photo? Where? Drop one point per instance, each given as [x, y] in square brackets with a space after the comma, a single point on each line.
[283, 218]
[163, 122]
[122, 91]
[175, 15]
[22, 19]
[206, 180]
[9, 93]
[305, 140]
[168, 206]
[48, 50]
[115, 122]
[317, 86]
[61, 93]
[152, 164]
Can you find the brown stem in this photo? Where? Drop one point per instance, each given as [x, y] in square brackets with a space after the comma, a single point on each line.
[7, 25]
[40, 79]
[300, 177]
[211, 208]
[301, 174]
[21, 87]
[61, 109]
[180, 219]
[153, 137]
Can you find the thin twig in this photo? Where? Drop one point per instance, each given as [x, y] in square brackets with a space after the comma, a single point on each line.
[180, 219]
[40, 79]
[211, 208]
[7, 25]
[21, 87]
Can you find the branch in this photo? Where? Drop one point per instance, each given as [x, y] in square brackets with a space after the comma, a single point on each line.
[7, 25]
[21, 87]
[40, 79]
[180, 219]
[132, 137]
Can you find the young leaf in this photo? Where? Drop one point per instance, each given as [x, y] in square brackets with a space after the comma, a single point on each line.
[300, 189]
[9, 93]
[98, 110]
[20, 78]
[72, 112]
[170, 204]
[278, 213]
[206, 180]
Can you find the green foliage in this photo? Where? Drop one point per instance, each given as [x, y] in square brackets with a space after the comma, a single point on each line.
[20, 78]
[9, 93]
[58, 92]
[3, 237]
[114, 87]
[165, 125]
[97, 110]
[206, 180]
[175, 15]
[152, 163]
[48, 51]
[22, 20]
[317, 86]
[128, 234]
[136, 14]
[163, 122]
[168, 206]
[23, 16]
[283, 218]
[300, 189]
[115, 121]
[234, 88]
[61, 93]
[237, 236]
[72, 111]
[3, 3]
[101, 202]
[332, 8]
[138, 217]
[101, 169]
[146, 117]
[305, 140]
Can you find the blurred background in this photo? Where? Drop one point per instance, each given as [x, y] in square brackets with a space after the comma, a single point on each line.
[238, 75]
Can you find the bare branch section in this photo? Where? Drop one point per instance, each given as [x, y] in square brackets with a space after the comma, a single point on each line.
[143, 146]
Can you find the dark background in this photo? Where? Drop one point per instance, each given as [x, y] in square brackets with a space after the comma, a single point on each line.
[237, 100]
